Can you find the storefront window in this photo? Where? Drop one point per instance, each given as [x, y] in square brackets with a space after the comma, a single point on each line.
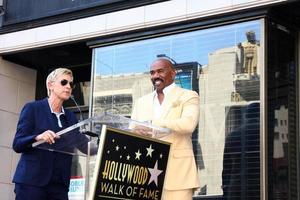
[223, 64]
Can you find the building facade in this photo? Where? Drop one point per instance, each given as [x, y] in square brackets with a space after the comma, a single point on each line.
[241, 56]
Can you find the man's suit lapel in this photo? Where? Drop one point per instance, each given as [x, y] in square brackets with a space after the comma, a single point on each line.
[173, 96]
[148, 106]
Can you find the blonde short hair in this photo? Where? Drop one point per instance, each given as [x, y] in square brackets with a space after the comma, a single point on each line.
[52, 77]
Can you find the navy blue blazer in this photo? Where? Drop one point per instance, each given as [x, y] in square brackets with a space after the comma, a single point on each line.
[36, 166]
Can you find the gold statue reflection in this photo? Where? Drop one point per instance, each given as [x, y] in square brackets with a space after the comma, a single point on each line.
[249, 53]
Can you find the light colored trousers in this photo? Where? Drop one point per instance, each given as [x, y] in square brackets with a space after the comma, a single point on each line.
[178, 194]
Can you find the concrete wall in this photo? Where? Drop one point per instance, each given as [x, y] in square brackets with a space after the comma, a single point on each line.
[124, 20]
[17, 86]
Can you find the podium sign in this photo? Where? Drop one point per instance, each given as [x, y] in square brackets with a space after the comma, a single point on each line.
[129, 166]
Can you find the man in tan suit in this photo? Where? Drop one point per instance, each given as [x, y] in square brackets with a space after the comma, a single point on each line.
[175, 108]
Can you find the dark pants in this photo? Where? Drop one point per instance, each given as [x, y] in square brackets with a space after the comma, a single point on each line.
[52, 191]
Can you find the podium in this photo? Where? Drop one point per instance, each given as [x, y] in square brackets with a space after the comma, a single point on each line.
[110, 161]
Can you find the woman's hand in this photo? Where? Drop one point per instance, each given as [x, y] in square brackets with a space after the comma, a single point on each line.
[48, 136]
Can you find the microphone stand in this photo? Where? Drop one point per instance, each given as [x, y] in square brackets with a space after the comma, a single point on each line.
[82, 129]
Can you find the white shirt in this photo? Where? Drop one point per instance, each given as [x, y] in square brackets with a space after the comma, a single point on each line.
[157, 107]
[57, 114]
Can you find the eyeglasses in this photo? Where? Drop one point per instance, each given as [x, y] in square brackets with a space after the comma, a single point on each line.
[65, 82]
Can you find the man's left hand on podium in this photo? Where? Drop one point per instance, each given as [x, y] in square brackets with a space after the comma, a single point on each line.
[143, 130]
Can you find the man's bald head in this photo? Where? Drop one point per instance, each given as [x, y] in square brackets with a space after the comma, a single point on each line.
[162, 73]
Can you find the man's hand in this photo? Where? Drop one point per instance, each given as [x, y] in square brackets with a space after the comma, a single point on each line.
[48, 136]
[143, 130]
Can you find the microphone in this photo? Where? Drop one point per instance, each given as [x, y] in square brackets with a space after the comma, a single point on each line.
[78, 108]
[82, 129]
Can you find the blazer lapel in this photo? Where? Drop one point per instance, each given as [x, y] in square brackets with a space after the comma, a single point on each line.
[173, 96]
[46, 106]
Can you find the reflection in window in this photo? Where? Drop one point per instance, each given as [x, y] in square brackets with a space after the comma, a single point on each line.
[223, 64]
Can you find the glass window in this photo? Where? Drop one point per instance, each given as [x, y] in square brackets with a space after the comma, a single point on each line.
[223, 65]
[282, 99]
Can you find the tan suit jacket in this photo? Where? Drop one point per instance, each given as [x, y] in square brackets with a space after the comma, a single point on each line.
[181, 115]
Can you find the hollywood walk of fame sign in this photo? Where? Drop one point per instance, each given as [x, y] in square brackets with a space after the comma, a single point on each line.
[129, 166]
